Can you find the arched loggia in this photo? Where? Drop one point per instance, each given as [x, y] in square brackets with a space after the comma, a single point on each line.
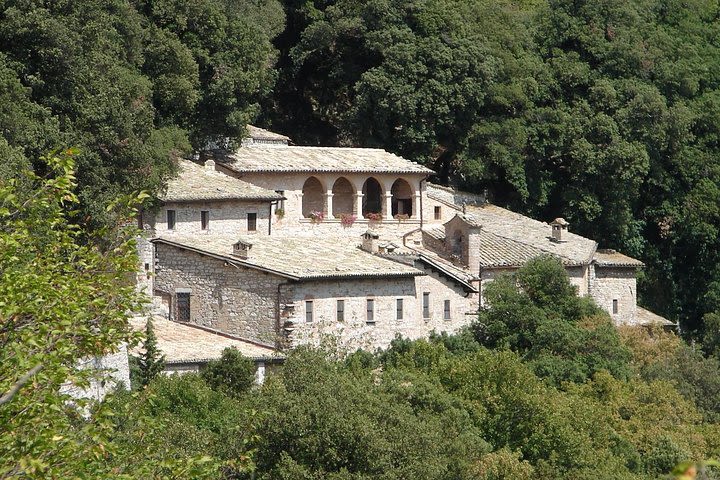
[313, 198]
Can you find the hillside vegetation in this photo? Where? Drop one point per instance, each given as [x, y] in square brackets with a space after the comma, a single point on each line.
[540, 386]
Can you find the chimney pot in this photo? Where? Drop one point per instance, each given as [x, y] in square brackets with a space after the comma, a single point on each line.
[559, 229]
[370, 241]
[210, 165]
[241, 249]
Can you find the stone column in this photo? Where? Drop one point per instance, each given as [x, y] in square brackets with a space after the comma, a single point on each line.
[416, 206]
[388, 205]
[329, 204]
[358, 204]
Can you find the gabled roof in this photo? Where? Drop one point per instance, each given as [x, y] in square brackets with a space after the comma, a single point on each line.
[646, 317]
[294, 159]
[298, 258]
[611, 258]
[257, 133]
[199, 183]
[188, 343]
[519, 237]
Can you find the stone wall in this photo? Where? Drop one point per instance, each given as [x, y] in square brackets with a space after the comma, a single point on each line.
[226, 218]
[355, 332]
[109, 372]
[615, 283]
[233, 299]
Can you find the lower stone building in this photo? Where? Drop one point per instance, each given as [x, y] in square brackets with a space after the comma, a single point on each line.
[292, 291]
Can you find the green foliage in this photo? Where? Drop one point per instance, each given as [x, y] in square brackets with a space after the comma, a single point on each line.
[133, 84]
[537, 313]
[151, 362]
[64, 297]
[232, 373]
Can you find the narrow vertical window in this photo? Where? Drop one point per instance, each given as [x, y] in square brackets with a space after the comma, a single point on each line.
[426, 305]
[370, 319]
[204, 219]
[446, 310]
[341, 310]
[183, 306]
[171, 219]
[399, 309]
[308, 311]
[615, 306]
[438, 213]
[252, 222]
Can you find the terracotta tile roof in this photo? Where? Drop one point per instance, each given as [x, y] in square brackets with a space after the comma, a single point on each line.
[197, 183]
[646, 317]
[518, 237]
[300, 258]
[318, 159]
[611, 258]
[187, 343]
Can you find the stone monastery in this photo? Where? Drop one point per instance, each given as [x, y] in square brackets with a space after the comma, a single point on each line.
[277, 245]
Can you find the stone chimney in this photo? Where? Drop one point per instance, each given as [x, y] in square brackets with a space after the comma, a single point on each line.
[210, 165]
[370, 241]
[559, 229]
[241, 249]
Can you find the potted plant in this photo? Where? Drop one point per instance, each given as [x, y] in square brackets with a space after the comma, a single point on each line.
[280, 212]
[347, 219]
[316, 216]
[374, 217]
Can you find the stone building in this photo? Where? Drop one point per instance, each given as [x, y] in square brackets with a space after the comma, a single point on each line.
[284, 245]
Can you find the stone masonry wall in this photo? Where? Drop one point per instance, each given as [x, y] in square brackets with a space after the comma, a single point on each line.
[226, 218]
[355, 332]
[236, 300]
[608, 284]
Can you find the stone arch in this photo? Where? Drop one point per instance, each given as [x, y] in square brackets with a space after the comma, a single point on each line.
[372, 196]
[402, 198]
[313, 197]
[343, 197]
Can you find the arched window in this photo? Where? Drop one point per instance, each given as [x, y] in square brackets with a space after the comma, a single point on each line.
[402, 198]
[313, 199]
[343, 197]
[372, 199]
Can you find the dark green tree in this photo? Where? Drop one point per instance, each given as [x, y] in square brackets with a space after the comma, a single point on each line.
[151, 361]
[232, 373]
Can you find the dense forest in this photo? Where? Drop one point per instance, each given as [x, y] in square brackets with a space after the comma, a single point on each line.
[604, 112]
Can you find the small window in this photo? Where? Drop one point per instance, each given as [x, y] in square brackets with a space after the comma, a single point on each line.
[204, 219]
[399, 308]
[171, 219]
[341, 310]
[370, 319]
[426, 305]
[438, 213]
[446, 310]
[615, 306]
[308, 311]
[252, 222]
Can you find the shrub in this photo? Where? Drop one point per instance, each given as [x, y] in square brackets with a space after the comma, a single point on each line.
[232, 373]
